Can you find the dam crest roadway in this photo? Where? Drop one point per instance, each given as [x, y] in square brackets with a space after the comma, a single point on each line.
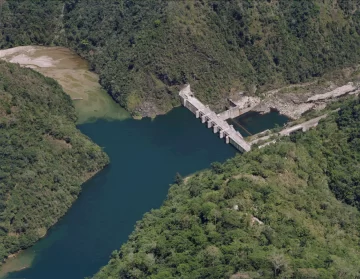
[215, 121]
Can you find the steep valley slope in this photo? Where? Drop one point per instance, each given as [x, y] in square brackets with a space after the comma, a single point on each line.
[44, 158]
[144, 50]
[289, 210]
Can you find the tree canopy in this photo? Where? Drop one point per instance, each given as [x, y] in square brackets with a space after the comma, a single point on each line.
[144, 50]
[44, 158]
[283, 211]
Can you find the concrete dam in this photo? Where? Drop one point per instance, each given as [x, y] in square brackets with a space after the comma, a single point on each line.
[219, 125]
[215, 121]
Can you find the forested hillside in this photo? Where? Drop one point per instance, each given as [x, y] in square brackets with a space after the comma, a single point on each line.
[144, 50]
[35, 22]
[44, 159]
[267, 214]
[290, 210]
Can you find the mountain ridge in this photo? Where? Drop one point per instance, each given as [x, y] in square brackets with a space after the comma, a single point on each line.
[145, 50]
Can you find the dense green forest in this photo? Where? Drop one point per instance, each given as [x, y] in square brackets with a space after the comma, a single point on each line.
[290, 210]
[144, 50]
[35, 22]
[267, 214]
[44, 158]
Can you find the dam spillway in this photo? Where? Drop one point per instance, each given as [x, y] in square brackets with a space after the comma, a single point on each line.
[213, 120]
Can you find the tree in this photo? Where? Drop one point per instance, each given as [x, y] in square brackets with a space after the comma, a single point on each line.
[212, 255]
[217, 167]
[178, 179]
[279, 263]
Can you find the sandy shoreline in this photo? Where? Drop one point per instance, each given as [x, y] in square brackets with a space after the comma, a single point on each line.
[24, 56]
[73, 74]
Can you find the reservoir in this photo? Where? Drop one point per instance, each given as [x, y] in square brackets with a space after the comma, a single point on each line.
[145, 156]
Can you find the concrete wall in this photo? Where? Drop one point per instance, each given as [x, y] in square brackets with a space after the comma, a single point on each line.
[192, 108]
[237, 146]
[182, 100]
[230, 113]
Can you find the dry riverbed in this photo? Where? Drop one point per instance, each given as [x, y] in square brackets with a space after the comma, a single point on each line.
[294, 104]
[293, 101]
[72, 73]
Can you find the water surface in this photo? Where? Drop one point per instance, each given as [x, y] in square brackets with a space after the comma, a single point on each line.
[252, 122]
[145, 156]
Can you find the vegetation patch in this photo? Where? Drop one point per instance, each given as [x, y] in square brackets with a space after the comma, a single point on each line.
[283, 211]
[152, 47]
[44, 158]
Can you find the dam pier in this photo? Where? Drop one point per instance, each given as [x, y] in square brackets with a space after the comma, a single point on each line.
[215, 121]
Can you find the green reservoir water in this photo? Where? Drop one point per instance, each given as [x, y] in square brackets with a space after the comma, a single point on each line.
[145, 155]
[253, 122]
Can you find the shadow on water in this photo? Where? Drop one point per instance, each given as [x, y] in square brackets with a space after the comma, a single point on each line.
[252, 122]
[145, 155]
